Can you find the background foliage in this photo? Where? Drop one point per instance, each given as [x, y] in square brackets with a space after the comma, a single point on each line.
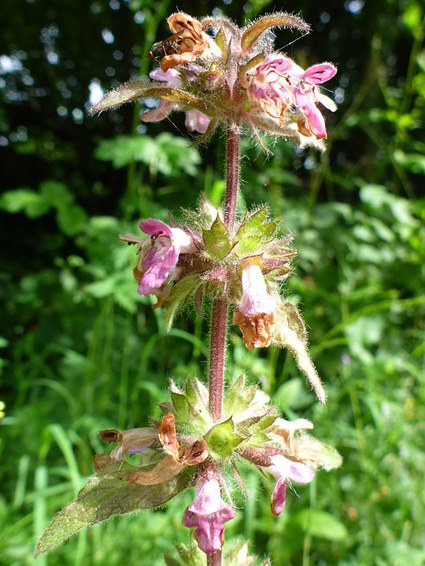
[80, 353]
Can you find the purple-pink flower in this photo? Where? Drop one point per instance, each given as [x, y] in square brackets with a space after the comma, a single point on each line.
[284, 470]
[195, 120]
[207, 514]
[278, 84]
[255, 297]
[254, 314]
[166, 246]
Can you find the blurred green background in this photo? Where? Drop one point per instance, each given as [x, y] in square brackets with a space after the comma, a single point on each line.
[82, 351]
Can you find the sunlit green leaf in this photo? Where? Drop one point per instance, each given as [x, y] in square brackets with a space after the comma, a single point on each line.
[109, 493]
[320, 524]
[217, 240]
[262, 25]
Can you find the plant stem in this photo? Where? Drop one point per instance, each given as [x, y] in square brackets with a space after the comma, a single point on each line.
[220, 305]
[214, 559]
[232, 173]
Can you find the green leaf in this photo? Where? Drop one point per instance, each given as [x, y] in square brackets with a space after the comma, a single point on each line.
[57, 194]
[289, 332]
[72, 220]
[123, 150]
[238, 397]
[280, 19]
[320, 524]
[221, 41]
[178, 297]
[165, 154]
[412, 17]
[222, 439]
[323, 455]
[170, 561]
[217, 240]
[254, 232]
[292, 395]
[414, 162]
[125, 93]
[24, 200]
[257, 437]
[109, 493]
[133, 90]
[181, 410]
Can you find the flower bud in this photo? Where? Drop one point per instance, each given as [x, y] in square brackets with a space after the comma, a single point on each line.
[254, 314]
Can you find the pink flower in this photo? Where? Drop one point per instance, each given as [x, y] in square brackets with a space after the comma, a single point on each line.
[254, 314]
[255, 297]
[307, 95]
[166, 246]
[284, 470]
[195, 121]
[207, 514]
[271, 84]
[278, 84]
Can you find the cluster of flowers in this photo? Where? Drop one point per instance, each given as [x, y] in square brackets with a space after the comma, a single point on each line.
[236, 73]
[173, 254]
[249, 430]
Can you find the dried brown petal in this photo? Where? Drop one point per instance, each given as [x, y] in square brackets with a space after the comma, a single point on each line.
[166, 469]
[168, 437]
[196, 453]
[260, 456]
[256, 329]
[101, 461]
[128, 439]
[193, 42]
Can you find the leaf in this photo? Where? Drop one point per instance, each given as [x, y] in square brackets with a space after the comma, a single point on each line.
[24, 200]
[178, 297]
[180, 403]
[414, 162]
[71, 220]
[222, 439]
[320, 524]
[125, 93]
[289, 332]
[133, 90]
[165, 153]
[323, 455]
[57, 194]
[217, 240]
[292, 395]
[280, 19]
[123, 150]
[254, 232]
[238, 397]
[108, 493]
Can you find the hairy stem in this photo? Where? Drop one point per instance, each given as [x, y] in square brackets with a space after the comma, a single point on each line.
[214, 559]
[220, 306]
[232, 173]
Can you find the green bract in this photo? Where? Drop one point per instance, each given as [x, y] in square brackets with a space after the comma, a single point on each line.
[222, 440]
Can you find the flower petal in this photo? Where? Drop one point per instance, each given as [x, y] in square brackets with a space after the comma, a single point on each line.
[319, 73]
[208, 513]
[154, 227]
[255, 297]
[300, 472]
[278, 497]
[197, 121]
[307, 106]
